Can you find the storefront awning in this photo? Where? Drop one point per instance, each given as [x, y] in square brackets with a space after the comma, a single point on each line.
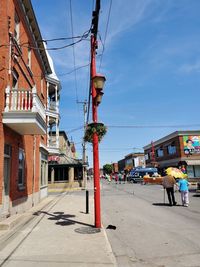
[193, 162]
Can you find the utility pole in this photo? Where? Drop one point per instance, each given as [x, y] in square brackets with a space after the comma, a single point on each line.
[97, 208]
[84, 158]
[84, 147]
[152, 154]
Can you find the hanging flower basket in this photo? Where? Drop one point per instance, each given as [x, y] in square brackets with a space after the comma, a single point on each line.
[95, 127]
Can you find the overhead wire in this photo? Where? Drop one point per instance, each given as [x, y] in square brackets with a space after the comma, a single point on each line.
[146, 126]
[78, 68]
[74, 58]
[82, 37]
[154, 126]
[105, 37]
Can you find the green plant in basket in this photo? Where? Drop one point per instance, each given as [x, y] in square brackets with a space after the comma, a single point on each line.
[95, 127]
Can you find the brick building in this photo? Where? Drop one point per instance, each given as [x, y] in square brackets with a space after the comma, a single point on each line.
[179, 149]
[26, 86]
[65, 170]
[134, 160]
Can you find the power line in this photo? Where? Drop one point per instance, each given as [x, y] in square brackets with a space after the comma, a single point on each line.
[153, 126]
[106, 32]
[78, 68]
[74, 58]
[84, 36]
[26, 45]
[144, 126]
[75, 129]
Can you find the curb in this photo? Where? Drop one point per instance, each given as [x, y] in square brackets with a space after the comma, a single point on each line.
[17, 219]
[62, 190]
[12, 221]
[109, 248]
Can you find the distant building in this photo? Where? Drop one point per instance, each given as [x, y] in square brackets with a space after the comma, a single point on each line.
[134, 160]
[63, 166]
[121, 165]
[115, 167]
[179, 149]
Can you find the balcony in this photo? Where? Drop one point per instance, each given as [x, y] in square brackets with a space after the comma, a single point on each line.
[53, 145]
[52, 109]
[24, 112]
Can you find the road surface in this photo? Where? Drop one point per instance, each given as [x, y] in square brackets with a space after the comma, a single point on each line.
[148, 232]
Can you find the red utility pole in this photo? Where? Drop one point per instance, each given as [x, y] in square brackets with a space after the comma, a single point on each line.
[97, 203]
[153, 153]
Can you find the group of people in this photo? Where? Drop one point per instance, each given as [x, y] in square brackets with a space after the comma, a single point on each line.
[169, 182]
[118, 177]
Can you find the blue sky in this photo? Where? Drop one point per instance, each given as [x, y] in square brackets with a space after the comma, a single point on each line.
[151, 61]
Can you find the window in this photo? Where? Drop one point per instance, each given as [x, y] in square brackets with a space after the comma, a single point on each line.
[43, 169]
[7, 150]
[7, 163]
[15, 78]
[29, 57]
[190, 171]
[197, 171]
[171, 149]
[21, 170]
[159, 152]
[16, 30]
[146, 156]
[42, 86]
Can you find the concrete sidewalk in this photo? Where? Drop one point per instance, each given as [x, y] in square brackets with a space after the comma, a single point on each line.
[57, 232]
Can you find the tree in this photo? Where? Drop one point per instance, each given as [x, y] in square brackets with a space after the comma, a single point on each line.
[107, 168]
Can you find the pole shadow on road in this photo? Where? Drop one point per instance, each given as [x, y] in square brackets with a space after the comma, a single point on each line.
[196, 195]
[164, 204]
[61, 218]
[160, 204]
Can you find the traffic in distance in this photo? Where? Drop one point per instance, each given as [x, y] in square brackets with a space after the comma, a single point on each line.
[137, 174]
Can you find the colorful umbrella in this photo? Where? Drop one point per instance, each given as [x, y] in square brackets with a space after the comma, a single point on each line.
[175, 172]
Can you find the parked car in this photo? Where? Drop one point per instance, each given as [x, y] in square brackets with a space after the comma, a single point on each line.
[137, 174]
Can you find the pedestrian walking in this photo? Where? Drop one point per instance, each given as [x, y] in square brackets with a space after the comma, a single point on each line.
[116, 177]
[120, 177]
[168, 184]
[184, 190]
[108, 178]
[124, 177]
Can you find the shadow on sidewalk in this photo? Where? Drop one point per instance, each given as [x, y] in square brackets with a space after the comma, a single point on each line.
[160, 204]
[164, 204]
[61, 218]
[196, 195]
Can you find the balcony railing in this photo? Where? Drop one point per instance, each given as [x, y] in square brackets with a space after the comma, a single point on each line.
[52, 109]
[24, 111]
[53, 145]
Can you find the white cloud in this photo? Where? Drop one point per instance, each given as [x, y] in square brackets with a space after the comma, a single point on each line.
[124, 16]
[190, 68]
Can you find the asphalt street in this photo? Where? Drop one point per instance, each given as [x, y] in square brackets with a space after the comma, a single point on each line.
[148, 231]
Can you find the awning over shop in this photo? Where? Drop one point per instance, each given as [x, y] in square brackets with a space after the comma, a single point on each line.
[193, 162]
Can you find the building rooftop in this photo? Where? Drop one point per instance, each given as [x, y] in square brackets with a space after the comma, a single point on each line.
[172, 135]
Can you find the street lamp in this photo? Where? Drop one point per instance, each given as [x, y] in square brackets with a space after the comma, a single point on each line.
[98, 97]
[99, 81]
